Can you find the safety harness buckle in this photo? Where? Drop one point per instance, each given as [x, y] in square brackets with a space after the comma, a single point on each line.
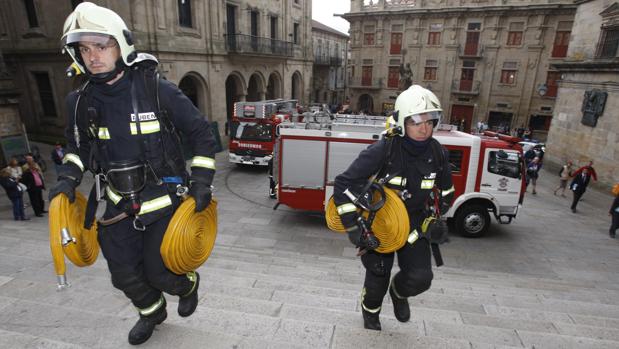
[138, 225]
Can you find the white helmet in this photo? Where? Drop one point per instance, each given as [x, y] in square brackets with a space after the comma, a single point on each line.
[417, 103]
[89, 22]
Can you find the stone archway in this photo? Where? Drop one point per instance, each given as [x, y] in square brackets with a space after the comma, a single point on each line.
[194, 87]
[296, 88]
[274, 87]
[255, 88]
[365, 104]
[234, 93]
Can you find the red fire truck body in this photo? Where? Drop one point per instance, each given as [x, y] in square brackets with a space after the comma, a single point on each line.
[252, 129]
[487, 170]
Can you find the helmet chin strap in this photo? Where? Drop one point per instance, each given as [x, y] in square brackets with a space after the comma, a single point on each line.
[102, 78]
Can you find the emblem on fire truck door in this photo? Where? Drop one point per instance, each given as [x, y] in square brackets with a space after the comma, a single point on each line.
[503, 183]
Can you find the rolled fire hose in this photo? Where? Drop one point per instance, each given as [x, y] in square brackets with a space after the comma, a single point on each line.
[67, 235]
[190, 237]
[391, 224]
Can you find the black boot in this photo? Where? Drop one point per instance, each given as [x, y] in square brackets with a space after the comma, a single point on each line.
[371, 321]
[188, 303]
[401, 310]
[145, 326]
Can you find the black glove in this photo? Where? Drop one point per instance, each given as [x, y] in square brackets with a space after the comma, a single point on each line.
[437, 232]
[64, 186]
[361, 237]
[202, 194]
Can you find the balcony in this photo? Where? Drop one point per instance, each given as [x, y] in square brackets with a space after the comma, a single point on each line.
[364, 83]
[470, 51]
[252, 45]
[466, 87]
[327, 60]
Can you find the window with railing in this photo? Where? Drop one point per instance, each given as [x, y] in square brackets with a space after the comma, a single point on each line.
[429, 72]
[562, 39]
[393, 79]
[368, 35]
[551, 83]
[508, 73]
[609, 42]
[184, 13]
[366, 75]
[396, 44]
[514, 35]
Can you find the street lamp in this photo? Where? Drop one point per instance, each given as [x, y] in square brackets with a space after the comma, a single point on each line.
[542, 89]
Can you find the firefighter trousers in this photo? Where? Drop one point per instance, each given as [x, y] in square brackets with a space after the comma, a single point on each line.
[414, 277]
[135, 263]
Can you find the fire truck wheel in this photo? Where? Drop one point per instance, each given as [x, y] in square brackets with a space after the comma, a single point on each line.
[472, 221]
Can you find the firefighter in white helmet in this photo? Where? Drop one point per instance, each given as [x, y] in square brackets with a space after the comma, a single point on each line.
[123, 126]
[416, 164]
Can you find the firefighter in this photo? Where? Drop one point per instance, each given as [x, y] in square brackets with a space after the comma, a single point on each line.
[417, 165]
[123, 125]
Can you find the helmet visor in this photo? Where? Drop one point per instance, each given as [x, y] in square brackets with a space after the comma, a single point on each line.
[95, 38]
[435, 116]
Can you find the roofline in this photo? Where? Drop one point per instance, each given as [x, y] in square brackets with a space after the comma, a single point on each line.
[326, 29]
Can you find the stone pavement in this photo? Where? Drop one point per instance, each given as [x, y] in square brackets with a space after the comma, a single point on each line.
[280, 279]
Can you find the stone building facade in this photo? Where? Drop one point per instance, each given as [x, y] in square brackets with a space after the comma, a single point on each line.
[217, 51]
[585, 123]
[330, 48]
[485, 59]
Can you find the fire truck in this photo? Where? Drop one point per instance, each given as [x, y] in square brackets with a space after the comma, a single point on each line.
[487, 170]
[252, 129]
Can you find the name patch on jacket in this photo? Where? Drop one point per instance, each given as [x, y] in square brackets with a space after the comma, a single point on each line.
[144, 116]
[428, 181]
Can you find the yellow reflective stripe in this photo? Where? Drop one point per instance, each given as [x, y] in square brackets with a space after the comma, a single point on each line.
[146, 127]
[193, 278]
[448, 191]
[345, 208]
[413, 236]
[112, 195]
[155, 204]
[203, 161]
[394, 290]
[399, 181]
[74, 159]
[104, 133]
[370, 310]
[152, 308]
[427, 183]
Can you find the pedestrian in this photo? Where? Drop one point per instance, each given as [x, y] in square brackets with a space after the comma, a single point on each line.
[33, 179]
[128, 120]
[15, 193]
[533, 173]
[528, 133]
[520, 131]
[589, 167]
[614, 213]
[14, 169]
[420, 165]
[57, 155]
[564, 174]
[579, 186]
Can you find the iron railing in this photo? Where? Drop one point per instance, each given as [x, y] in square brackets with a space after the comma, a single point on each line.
[358, 82]
[249, 44]
[466, 87]
[328, 60]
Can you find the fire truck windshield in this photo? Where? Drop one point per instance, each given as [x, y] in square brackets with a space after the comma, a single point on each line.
[251, 131]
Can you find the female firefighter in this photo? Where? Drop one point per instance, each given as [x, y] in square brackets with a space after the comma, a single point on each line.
[123, 126]
[417, 165]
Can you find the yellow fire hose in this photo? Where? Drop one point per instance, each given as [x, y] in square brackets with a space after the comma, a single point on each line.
[190, 237]
[67, 235]
[391, 224]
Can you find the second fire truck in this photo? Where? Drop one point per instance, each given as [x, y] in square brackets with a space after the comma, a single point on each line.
[252, 129]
